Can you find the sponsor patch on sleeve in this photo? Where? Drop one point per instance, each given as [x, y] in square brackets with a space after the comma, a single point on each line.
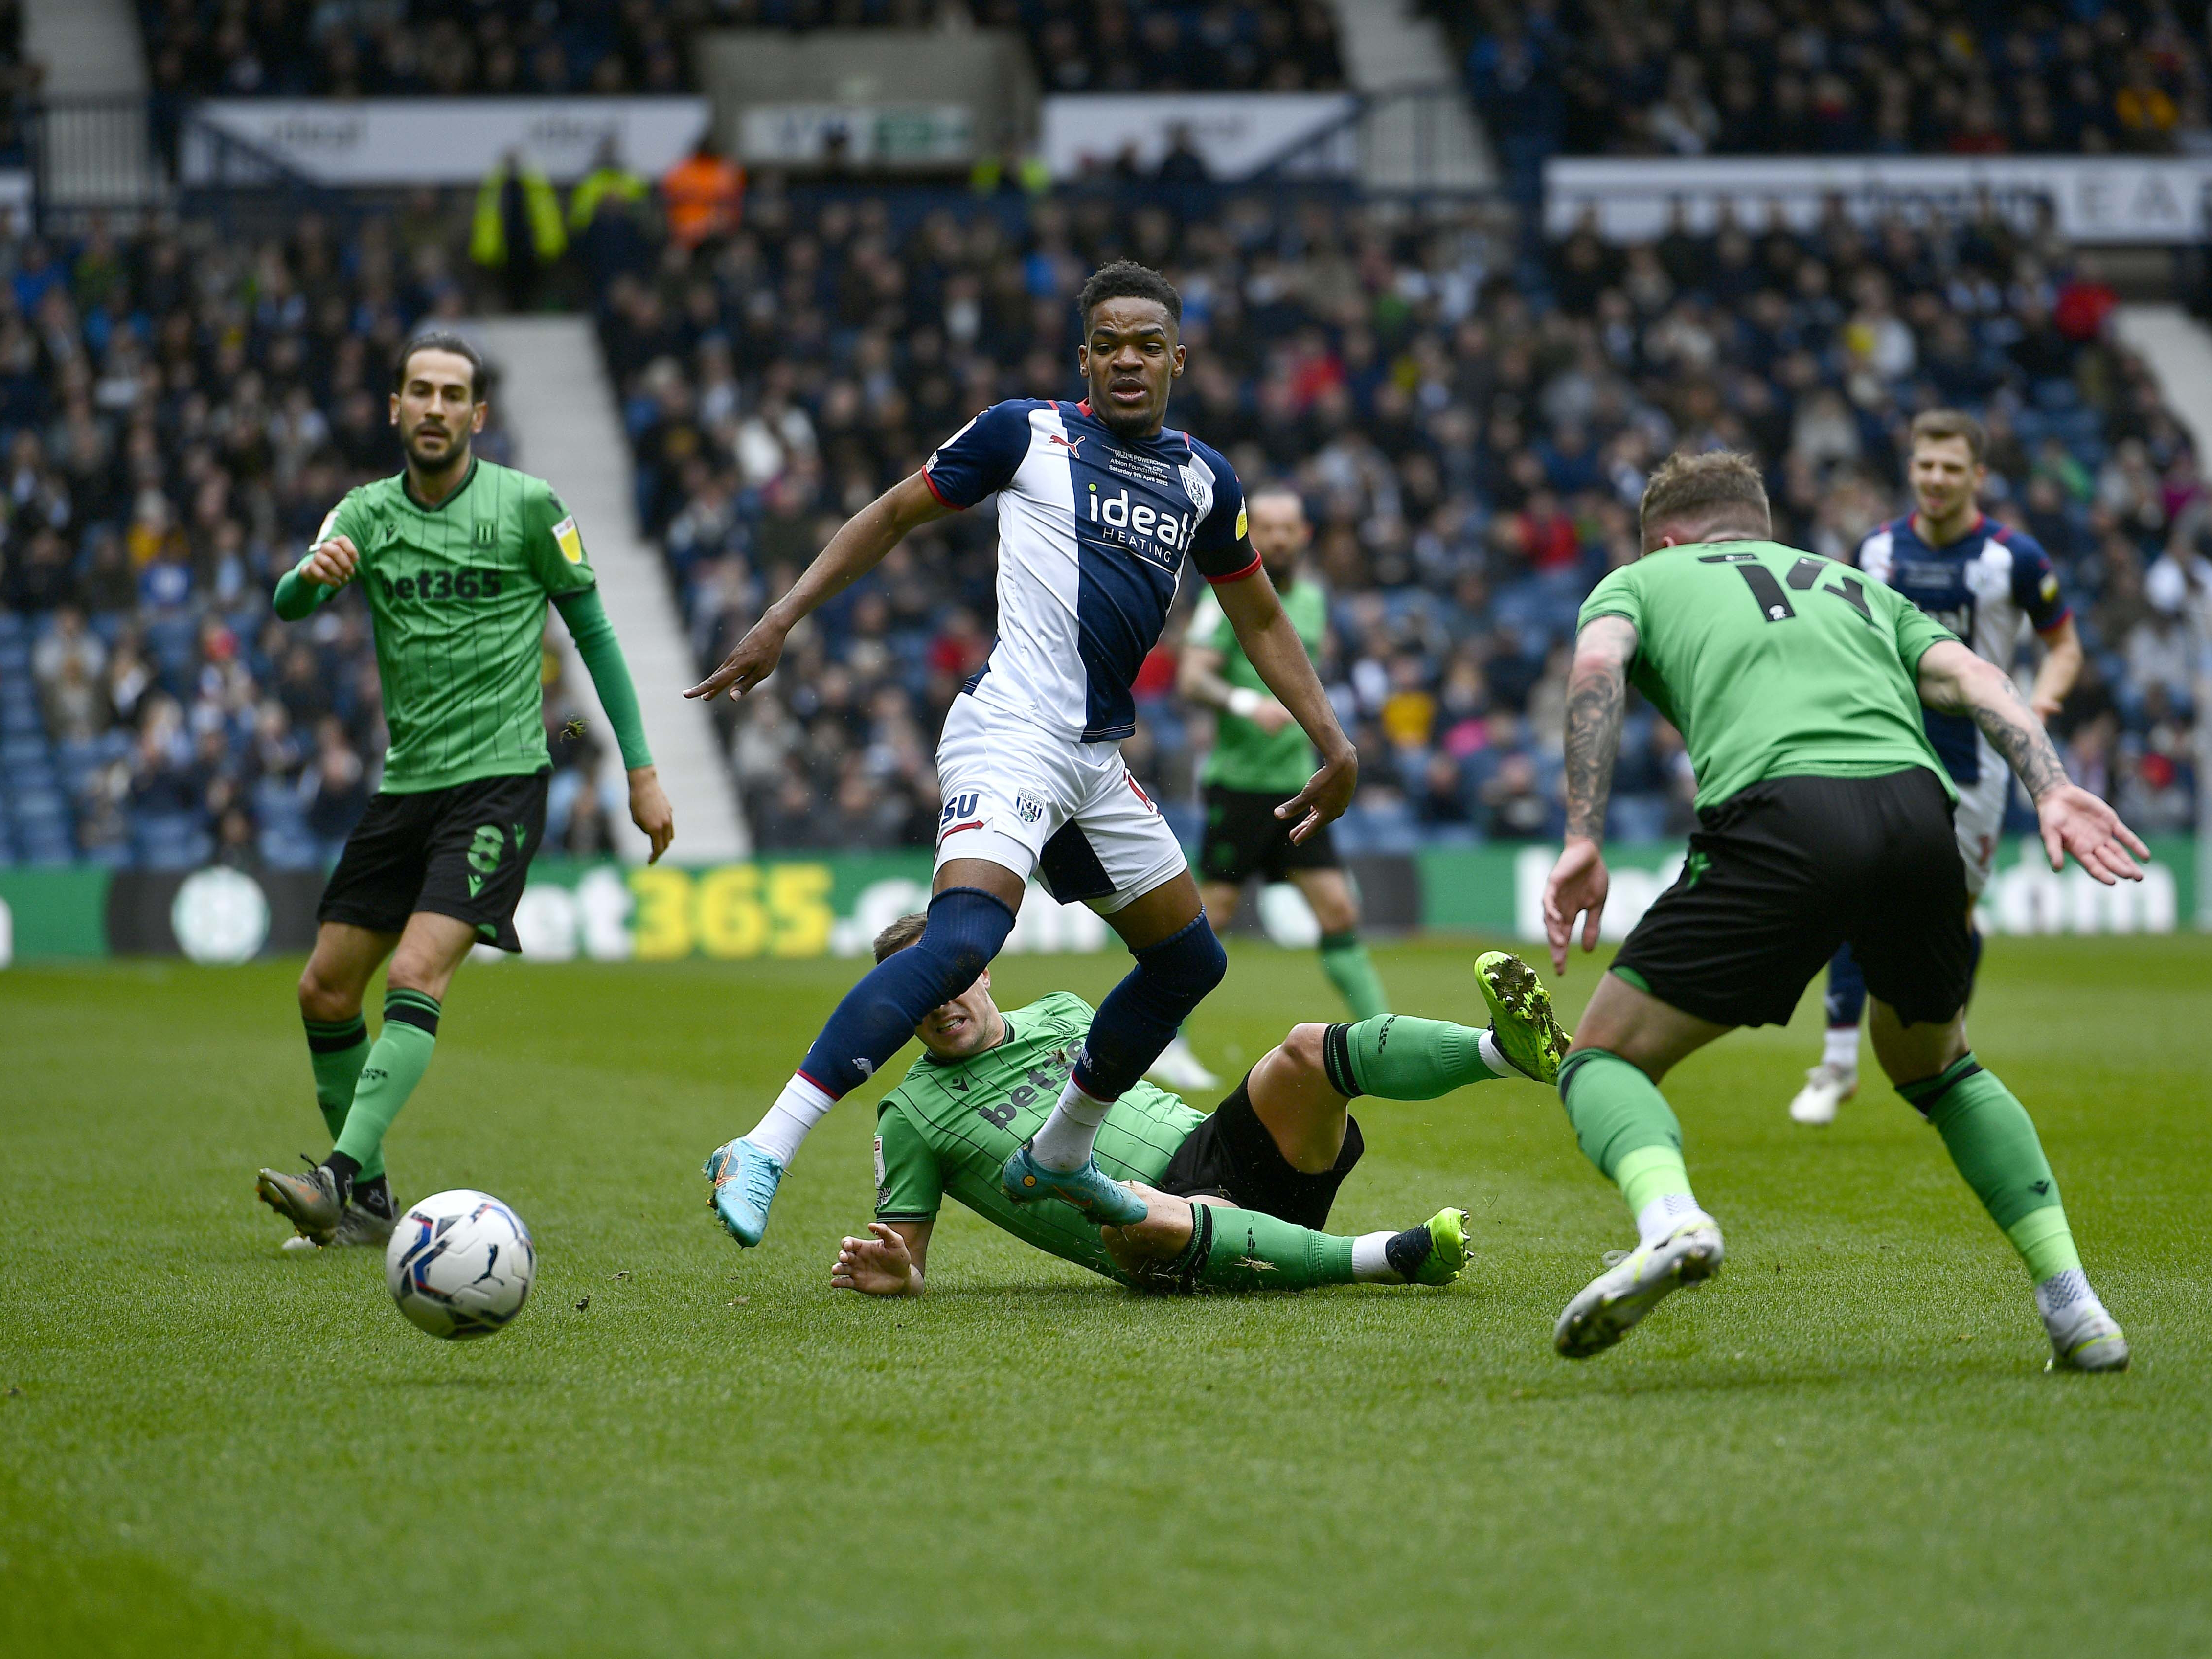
[570, 539]
[1242, 520]
[2049, 586]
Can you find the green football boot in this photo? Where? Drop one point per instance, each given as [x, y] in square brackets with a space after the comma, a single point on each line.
[1432, 1253]
[1522, 1023]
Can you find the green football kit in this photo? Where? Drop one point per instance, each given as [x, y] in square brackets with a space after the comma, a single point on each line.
[1245, 756]
[949, 1126]
[1251, 771]
[457, 596]
[1825, 818]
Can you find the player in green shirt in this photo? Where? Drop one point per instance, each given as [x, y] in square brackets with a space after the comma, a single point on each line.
[1236, 1199]
[1260, 760]
[457, 557]
[1825, 818]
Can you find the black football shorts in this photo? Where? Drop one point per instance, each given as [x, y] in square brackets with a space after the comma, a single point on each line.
[1230, 1156]
[1244, 837]
[462, 852]
[1781, 874]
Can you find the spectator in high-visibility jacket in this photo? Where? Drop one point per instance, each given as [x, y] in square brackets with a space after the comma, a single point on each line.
[606, 213]
[517, 231]
[704, 191]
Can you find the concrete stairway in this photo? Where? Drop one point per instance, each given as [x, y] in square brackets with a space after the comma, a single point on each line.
[556, 399]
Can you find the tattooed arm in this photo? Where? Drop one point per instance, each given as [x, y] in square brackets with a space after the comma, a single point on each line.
[1597, 696]
[1955, 680]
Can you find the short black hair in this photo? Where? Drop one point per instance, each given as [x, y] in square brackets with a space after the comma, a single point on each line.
[1125, 279]
[441, 339]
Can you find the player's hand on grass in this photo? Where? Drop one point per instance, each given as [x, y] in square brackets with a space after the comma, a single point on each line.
[753, 661]
[1325, 795]
[331, 563]
[880, 1265]
[2075, 821]
[649, 810]
[1576, 886]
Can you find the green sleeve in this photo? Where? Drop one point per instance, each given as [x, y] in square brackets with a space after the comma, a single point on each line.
[1210, 626]
[295, 596]
[1619, 595]
[553, 544]
[909, 1187]
[586, 616]
[1916, 631]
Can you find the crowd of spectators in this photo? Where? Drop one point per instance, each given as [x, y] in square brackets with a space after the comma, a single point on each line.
[398, 48]
[1791, 78]
[176, 416]
[1470, 446]
[357, 48]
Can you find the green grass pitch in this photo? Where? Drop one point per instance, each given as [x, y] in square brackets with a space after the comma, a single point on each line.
[1846, 1445]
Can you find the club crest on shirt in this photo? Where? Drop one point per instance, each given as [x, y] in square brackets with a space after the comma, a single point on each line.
[1199, 488]
[570, 539]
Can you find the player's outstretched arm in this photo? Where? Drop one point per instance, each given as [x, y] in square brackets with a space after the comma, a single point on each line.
[854, 551]
[1955, 680]
[888, 1262]
[1597, 699]
[1278, 656]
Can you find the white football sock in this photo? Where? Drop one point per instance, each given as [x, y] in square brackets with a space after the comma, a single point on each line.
[1369, 1264]
[1840, 1049]
[796, 1111]
[1664, 1213]
[1494, 1057]
[1064, 1142]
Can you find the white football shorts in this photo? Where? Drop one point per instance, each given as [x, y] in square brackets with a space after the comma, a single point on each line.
[1043, 805]
[1979, 820]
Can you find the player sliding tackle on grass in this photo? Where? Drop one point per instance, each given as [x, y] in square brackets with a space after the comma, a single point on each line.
[1824, 819]
[1230, 1201]
[1099, 503]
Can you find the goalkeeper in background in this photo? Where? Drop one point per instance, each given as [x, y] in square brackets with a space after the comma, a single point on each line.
[1236, 1199]
[1260, 758]
[458, 557]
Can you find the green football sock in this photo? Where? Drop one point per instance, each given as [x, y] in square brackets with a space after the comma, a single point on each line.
[337, 1049]
[1351, 971]
[1626, 1129]
[1398, 1057]
[395, 1065]
[1993, 1141]
[1245, 1250]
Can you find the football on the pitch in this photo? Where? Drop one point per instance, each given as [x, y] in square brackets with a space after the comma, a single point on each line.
[460, 1264]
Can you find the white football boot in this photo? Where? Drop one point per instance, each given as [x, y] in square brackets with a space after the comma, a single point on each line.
[1181, 1070]
[1827, 1087]
[2083, 1336]
[1610, 1306]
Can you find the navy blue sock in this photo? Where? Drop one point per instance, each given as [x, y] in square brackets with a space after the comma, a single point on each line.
[1141, 1015]
[1847, 992]
[1973, 960]
[967, 926]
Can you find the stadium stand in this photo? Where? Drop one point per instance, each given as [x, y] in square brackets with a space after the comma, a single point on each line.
[1470, 447]
[245, 48]
[1619, 77]
[176, 416]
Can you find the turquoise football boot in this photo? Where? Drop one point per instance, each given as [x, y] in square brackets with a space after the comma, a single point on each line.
[746, 1179]
[1105, 1202]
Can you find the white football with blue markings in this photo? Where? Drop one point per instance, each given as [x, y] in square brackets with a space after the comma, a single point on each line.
[460, 1264]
